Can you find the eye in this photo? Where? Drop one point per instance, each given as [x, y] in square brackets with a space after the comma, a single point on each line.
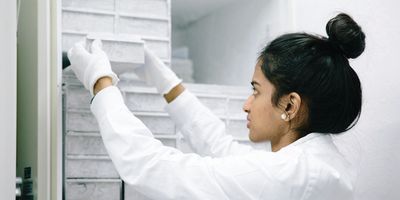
[254, 90]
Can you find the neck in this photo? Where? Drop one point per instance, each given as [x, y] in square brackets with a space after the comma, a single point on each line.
[284, 140]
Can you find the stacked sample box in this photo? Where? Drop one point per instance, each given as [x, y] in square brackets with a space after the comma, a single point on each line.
[148, 19]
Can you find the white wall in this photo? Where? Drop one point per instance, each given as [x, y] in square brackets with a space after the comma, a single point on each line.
[178, 38]
[373, 145]
[8, 99]
[227, 40]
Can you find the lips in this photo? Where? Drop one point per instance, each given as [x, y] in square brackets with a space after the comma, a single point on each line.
[248, 121]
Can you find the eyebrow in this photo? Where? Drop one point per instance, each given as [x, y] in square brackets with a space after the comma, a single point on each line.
[253, 83]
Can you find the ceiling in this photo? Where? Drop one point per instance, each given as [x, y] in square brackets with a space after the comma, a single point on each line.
[186, 11]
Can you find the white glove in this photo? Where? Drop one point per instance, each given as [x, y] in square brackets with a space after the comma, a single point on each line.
[89, 67]
[156, 73]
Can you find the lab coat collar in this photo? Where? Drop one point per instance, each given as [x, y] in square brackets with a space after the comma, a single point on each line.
[305, 139]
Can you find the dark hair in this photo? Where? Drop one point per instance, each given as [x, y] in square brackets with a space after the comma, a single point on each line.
[317, 68]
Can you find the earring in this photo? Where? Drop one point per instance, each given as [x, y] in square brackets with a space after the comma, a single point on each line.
[283, 116]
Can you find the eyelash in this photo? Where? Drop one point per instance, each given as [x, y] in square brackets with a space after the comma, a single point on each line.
[254, 90]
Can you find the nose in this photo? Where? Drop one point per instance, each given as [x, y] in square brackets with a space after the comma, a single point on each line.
[247, 104]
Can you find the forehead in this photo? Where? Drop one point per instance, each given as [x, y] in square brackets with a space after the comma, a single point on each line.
[258, 75]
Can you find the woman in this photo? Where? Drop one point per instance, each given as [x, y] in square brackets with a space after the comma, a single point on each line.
[304, 91]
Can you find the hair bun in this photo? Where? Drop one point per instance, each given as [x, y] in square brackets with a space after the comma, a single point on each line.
[346, 34]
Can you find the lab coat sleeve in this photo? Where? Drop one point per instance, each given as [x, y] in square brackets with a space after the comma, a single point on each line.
[204, 131]
[159, 171]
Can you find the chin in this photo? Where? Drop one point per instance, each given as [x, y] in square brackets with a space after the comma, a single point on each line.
[257, 138]
[254, 138]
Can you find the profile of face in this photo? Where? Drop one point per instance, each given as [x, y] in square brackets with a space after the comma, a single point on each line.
[263, 117]
[307, 85]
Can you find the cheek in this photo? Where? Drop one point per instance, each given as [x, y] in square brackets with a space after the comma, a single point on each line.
[265, 120]
[272, 111]
[269, 116]
[265, 108]
[264, 116]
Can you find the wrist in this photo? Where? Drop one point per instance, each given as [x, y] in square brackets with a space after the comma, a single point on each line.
[102, 83]
[175, 92]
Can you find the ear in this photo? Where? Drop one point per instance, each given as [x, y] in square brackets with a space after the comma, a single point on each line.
[292, 105]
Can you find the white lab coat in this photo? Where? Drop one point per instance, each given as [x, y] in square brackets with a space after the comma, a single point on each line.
[311, 168]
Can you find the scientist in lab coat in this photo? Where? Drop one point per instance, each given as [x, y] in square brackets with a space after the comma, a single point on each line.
[304, 91]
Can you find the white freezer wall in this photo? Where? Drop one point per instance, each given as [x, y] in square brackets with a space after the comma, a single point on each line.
[227, 40]
[377, 133]
[88, 171]
[87, 164]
